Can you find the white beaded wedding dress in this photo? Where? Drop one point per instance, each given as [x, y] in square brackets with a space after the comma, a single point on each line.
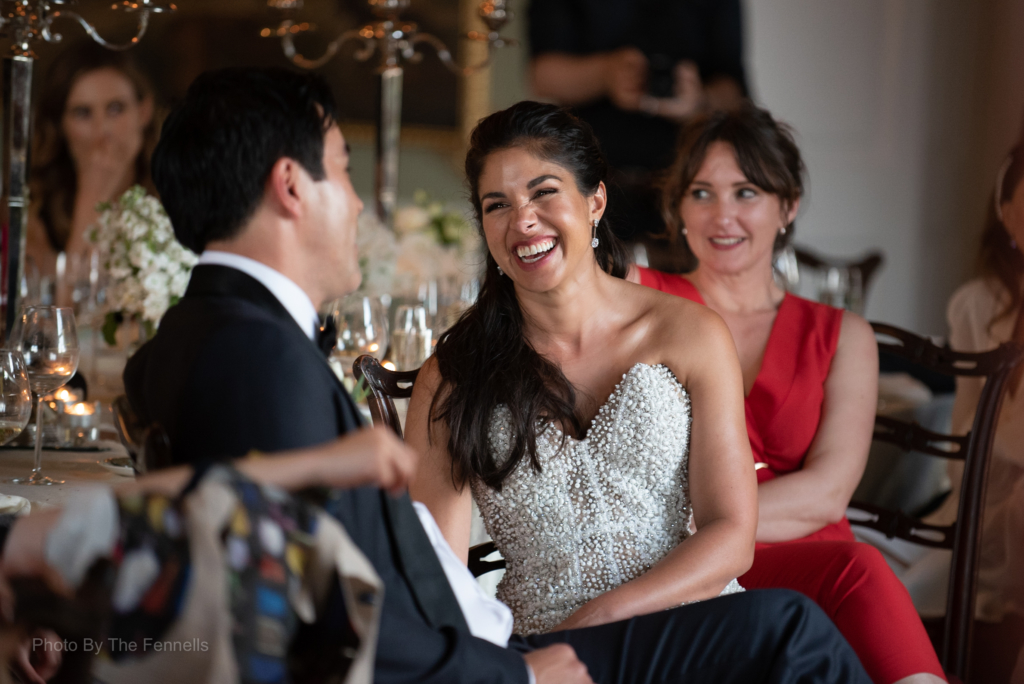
[603, 509]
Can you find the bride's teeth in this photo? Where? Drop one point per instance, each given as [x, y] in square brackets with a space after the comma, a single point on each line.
[538, 248]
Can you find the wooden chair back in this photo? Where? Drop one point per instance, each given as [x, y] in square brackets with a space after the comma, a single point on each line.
[147, 445]
[974, 449]
[386, 385]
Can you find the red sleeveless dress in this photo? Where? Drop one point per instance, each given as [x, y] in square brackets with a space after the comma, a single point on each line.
[849, 580]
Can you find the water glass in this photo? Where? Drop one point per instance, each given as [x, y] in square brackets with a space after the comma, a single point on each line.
[362, 326]
[412, 340]
[15, 395]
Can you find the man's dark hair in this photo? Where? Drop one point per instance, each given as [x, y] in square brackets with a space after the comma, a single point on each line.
[218, 146]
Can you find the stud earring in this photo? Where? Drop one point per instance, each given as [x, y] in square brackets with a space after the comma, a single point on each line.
[683, 231]
[782, 231]
[594, 242]
[500, 272]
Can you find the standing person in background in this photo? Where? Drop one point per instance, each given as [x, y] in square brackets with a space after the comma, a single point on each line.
[635, 70]
[94, 133]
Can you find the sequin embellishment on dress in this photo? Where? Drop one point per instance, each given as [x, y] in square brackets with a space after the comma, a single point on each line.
[603, 510]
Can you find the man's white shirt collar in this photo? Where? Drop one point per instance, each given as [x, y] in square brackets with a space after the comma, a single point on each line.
[292, 297]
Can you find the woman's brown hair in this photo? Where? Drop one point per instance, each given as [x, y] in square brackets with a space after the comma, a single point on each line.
[53, 181]
[999, 259]
[765, 152]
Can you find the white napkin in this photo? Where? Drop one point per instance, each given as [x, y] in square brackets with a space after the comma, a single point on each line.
[14, 505]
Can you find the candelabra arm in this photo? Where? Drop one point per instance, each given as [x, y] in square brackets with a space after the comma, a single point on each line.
[51, 37]
[445, 55]
[288, 44]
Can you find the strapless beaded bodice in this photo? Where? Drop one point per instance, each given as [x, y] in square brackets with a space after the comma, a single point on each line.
[602, 511]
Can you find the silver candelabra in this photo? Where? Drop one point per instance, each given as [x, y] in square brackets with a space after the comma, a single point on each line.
[394, 41]
[25, 23]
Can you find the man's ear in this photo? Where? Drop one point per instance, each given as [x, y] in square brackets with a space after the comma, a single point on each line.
[282, 187]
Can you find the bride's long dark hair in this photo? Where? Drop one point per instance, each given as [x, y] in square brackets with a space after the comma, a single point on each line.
[485, 359]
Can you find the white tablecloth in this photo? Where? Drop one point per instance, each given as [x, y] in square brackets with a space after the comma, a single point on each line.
[76, 468]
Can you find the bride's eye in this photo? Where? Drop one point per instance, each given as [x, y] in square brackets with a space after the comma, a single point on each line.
[494, 205]
[544, 191]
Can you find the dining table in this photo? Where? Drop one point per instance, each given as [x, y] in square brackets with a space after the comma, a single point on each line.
[78, 469]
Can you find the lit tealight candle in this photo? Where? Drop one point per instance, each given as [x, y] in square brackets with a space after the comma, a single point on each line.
[83, 409]
[81, 414]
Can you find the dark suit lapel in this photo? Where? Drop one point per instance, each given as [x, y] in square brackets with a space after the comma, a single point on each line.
[420, 566]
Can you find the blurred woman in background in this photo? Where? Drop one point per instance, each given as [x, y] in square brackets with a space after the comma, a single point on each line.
[982, 314]
[94, 132]
[810, 374]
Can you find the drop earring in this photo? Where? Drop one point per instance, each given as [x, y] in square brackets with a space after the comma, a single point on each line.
[594, 242]
[500, 272]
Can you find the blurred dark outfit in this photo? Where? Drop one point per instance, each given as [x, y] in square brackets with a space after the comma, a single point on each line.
[638, 145]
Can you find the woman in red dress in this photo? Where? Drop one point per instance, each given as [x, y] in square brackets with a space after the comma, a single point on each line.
[810, 376]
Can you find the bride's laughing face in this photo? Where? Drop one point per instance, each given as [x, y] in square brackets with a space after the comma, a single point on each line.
[537, 223]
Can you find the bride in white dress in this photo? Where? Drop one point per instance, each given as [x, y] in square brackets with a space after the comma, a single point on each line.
[598, 424]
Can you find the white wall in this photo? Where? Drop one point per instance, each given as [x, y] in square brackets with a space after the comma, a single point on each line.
[902, 109]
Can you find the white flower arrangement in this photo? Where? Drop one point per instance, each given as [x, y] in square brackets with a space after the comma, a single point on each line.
[148, 268]
[377, 251]
[434, 243]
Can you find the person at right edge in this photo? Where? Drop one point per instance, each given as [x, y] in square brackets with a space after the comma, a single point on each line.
[636, 70]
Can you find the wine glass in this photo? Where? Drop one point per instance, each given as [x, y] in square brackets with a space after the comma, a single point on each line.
[412, 340]
[362, 329]
[49, 346]
[15, 395]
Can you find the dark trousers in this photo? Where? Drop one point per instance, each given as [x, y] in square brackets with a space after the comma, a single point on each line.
[767, 635]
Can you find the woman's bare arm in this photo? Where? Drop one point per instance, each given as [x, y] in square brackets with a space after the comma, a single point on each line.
[451, 506]
[723, 488]
[799, 503]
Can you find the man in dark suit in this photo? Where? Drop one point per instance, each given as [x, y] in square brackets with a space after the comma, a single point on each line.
[253, 172]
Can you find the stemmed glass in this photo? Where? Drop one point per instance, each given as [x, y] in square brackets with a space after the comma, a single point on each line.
[362, 329]
[15, 395]
[412, 339]
[49, 346]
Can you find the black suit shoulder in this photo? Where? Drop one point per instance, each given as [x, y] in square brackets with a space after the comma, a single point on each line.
[225, 377]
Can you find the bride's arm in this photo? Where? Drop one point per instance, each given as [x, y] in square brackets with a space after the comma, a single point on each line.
[433, 485]
[723, 487]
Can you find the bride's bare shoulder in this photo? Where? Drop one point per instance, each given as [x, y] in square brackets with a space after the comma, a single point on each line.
[679, 325]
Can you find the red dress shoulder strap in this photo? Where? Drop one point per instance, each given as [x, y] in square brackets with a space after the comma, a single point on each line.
[671, 283]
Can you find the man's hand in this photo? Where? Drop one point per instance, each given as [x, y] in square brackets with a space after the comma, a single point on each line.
[557, 664]
[370, 457]
[625, 73]
[688, 97]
